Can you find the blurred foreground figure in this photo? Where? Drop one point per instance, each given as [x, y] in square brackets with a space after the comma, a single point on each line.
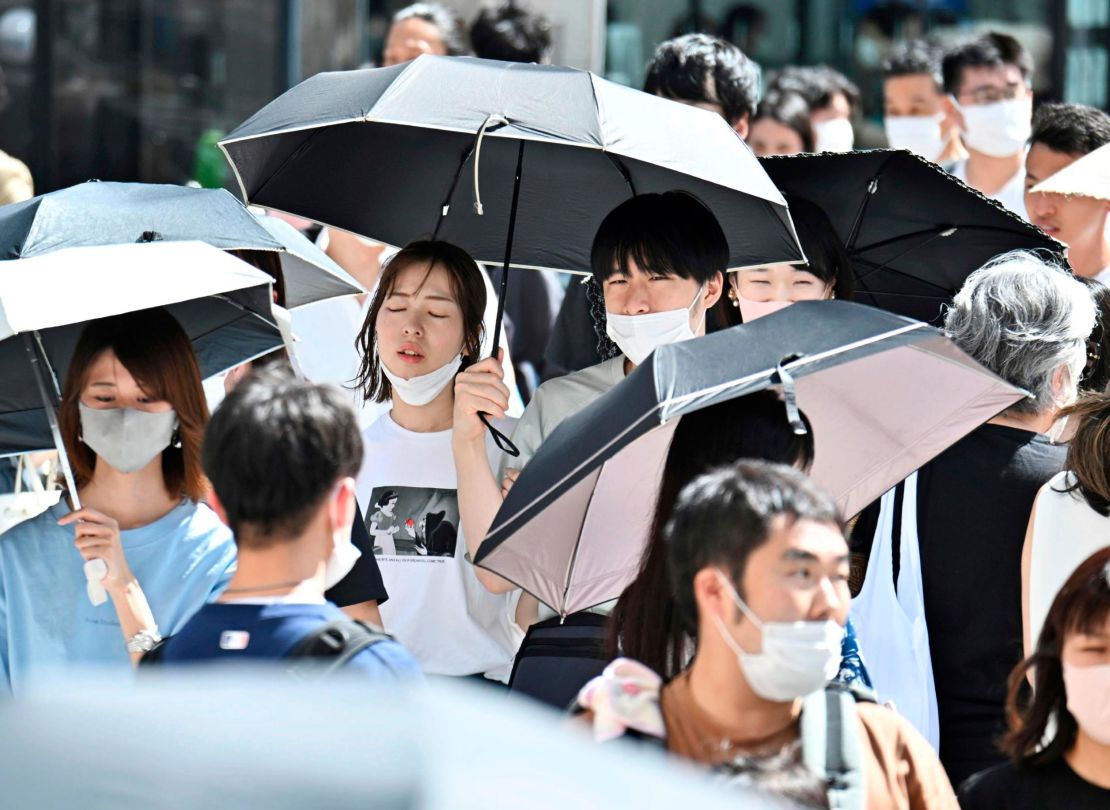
[759, 572]
[282, 456]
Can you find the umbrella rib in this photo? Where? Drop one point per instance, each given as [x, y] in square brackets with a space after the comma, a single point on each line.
[876, 267]
[284, 163]
[872, 187]
[936, 229]
[577, 546]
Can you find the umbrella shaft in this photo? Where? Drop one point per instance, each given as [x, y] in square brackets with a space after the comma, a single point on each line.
[51, 414]
[503, 292]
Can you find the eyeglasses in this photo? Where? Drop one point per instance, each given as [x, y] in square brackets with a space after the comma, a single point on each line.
[992, 95]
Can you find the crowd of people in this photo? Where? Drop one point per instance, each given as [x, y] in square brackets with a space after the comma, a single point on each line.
[291, 526]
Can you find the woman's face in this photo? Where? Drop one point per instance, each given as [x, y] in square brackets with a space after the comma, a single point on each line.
[420, 325]
[1088, 649]
[768, 137]
[779, 282]
[109, 384]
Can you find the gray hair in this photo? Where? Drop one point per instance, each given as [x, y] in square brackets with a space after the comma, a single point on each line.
[1024, 318]
[447, 22]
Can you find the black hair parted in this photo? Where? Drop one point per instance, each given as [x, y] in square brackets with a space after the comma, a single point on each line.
[917, 57]
[817, 84]
[672, 233]
[510, 33]
[721, 517]
[1074, 129]
[273, 451]
[704, 68]
[991, 50]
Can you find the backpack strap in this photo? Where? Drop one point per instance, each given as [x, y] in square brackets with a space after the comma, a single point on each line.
[331, 646]
[831, 745]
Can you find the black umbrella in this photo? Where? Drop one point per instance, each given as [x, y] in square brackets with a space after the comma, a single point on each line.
[515, 163]
[884, 394]
[913, 231]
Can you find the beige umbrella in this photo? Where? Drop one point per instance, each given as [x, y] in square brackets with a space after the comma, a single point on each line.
[1088, 177]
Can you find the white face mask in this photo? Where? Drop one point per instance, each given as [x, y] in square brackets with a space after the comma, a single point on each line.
[999, 129]
[798, 658]
[751, 310]
[126, 438]
[919, 134]
[423, 389]
[639, 335]
[834, 135]
[1088, 693]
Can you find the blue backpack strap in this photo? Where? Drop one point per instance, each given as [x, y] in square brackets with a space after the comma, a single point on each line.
[831, 746]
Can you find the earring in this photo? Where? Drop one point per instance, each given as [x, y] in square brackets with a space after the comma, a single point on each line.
[175, 440]
[732, 298]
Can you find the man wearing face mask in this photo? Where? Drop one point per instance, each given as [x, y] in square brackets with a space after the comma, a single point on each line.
[291, 522]
[759, 574]
[989, 82]
[832, 99]
[917, 115]
[660, 260]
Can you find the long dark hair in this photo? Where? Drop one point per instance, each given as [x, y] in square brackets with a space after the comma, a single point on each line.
[470, 293]
[828, 260]
[1089, 451]
[1081, 606]
[644, 624]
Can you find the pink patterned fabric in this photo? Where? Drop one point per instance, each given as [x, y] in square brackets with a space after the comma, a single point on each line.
[625, 696]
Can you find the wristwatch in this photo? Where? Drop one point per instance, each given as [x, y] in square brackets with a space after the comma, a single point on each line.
[143, 641]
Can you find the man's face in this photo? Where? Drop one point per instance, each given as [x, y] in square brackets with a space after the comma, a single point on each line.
[641, 293]
[838, 107]
[409, 39]
[988, 85]
[914, 94]
[1074, 220]
[800, 574]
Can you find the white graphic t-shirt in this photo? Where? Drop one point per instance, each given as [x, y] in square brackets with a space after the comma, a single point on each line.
[437, 607]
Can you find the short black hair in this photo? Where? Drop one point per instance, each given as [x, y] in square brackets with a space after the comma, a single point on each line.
[273, 451]
[791, 110]
[510, 33]
[1096, 374]
[721, 517]
[700, 67]
[450, 26]
[816, 84]
[1074, 129]
[990, 50]
[915, 58]
[671, 234]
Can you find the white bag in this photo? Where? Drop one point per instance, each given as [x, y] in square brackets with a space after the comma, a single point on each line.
[18, 506]
[890, 624]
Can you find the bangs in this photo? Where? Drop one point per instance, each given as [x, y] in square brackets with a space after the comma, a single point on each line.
[651, 255]
[1090, 614]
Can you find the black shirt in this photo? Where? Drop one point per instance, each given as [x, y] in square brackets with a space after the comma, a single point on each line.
[974, 501]
[1026, 787]
[364, 582]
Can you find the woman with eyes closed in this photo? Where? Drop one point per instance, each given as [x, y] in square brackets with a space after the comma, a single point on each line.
[132, 416]
[757, 291]
[423, 326]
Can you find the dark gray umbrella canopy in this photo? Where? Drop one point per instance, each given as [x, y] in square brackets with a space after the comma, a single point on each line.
[884, 394]
[914, 232]
[377, 152]
[97, 213]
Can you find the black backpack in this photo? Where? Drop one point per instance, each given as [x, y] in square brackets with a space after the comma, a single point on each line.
[558, 657]
[319, 654]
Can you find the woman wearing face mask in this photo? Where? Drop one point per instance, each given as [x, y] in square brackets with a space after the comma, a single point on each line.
[132, 416]
[758, 291]
[424, 324]
[1059, 738]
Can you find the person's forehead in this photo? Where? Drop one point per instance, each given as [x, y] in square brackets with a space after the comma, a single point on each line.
[415, 280]
[789, 539]
[984, 76]
[415, 28]
[1043, 162]
[911, 87]
[770, 129]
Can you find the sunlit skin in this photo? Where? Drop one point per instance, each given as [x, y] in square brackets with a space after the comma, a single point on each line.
[741, 126]
[1089, 647]
[984, 85]
[779, 282]
[800, 573]
[409, 39]
[917, 95]
[768, 137]
[1079, 222]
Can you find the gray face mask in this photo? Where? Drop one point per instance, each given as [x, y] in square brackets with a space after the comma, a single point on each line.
[126, 438]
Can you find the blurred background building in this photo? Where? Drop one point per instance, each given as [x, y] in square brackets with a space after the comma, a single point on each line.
[141, 89]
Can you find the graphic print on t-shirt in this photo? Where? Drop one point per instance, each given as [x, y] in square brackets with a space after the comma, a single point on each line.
[406, 521]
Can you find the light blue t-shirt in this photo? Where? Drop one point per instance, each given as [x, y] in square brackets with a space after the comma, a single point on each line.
[47, 623]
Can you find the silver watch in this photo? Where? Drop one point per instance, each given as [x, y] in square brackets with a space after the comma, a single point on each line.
[143, 641]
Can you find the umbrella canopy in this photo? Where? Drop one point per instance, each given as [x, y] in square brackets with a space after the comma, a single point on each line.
[1089, 176]
[222, 303]
[884, 394]
[98, 213]
[402, 152]
[912, 231]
